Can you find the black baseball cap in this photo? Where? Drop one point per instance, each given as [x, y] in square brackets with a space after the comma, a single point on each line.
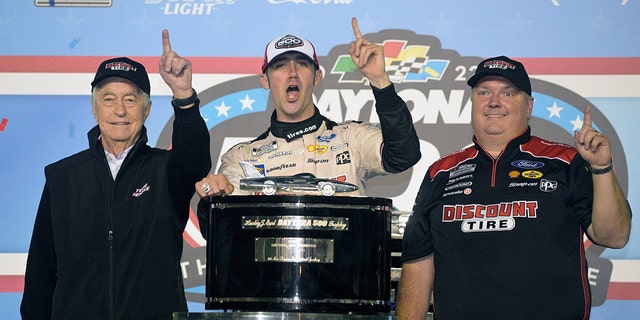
[123, 67]
[504, 67]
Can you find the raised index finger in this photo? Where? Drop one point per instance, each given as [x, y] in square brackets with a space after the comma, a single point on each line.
[356, 30]
[587, 116]
[166, 44]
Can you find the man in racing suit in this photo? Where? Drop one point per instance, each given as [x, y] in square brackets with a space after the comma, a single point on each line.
[301, 140]
[497, 228]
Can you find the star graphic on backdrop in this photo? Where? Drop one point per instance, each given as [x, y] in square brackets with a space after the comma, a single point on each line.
[4, 23]
[554, 111]
[219, 24]
[577, 123]
[292, 24]
[442, 26]
[518, 25]
[71, 23]
[144, 24]
[367, 23]
[222, 109]
[601, 23]
[247, 103]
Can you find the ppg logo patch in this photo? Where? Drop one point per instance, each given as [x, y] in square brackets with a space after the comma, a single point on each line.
[548, 185]
[343, 158]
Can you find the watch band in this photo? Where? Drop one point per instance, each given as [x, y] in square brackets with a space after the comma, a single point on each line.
[186, 101]
[603, 170]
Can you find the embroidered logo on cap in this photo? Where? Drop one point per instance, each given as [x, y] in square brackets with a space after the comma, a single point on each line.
[499, 64]
[120, 66]
[289, 42]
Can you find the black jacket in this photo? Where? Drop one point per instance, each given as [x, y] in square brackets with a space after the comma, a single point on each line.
[105, 249]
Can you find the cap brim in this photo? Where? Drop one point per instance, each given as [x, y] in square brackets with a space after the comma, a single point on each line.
[477, 77]
[97, 81]
[266, 66]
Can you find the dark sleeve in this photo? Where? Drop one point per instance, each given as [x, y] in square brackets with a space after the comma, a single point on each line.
[41, 273]
[581, 184]
[401, 146]
[203, 216]
[417, 240]
[190, 156]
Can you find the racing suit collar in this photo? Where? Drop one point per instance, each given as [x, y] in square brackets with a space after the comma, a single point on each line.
[513, 144]
[293, 130]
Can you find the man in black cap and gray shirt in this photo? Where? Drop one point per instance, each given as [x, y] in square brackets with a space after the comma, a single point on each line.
[107, 238]
[497, 228]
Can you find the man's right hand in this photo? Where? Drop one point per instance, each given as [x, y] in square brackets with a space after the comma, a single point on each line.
[215, 184]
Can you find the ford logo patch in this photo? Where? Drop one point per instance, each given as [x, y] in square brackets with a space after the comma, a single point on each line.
[526, 164]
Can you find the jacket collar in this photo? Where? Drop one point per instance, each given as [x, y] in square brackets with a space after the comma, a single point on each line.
[95, 145]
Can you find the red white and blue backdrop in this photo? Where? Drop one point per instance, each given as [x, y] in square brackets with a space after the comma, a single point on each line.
[576, 52]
